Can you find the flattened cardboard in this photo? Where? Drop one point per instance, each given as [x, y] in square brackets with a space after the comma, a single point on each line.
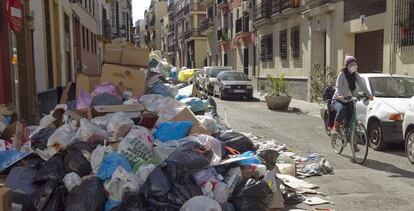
[119, 108]
[64, 97]
[5, 199]
[87, 82]
[113, 54]
[187, 115]
[135, 57]
[127, 79]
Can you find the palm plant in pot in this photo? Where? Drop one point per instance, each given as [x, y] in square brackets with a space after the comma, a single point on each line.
[277, 97]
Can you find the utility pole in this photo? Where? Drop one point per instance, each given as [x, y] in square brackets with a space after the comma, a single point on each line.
[27, 84]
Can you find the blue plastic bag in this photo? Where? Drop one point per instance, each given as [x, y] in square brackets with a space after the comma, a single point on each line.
[8, 158]
[252, 158]
[195, 104]
[111, 204]
[169, 131]
[180, 97]
[110, 163]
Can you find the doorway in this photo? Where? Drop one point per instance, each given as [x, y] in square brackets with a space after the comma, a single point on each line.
[77, 44]
[369, 51]
[246, 61]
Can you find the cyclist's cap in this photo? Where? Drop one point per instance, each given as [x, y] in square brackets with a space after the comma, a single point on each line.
[349, 59]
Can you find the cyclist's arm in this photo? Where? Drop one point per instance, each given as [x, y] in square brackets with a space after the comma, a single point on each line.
[363, 85]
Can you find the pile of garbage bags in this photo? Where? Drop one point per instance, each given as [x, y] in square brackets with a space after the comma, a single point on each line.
[170, 152]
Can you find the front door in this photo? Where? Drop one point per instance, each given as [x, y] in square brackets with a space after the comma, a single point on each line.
[77, 44]
[246, 61]
[369, 51]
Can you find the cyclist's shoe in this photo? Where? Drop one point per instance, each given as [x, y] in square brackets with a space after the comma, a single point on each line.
[336, 129]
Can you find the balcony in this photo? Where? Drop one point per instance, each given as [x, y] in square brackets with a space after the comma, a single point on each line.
[206, 24]
[192, 33]
[222, 4]
[262, 10]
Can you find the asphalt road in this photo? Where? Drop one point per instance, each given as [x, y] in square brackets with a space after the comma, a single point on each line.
[384, 182]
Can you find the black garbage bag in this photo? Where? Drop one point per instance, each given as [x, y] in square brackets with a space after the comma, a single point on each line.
[188, 157]
[236, 141]
[75, 161]
[269, 156]
[89, 195]
[156, 188]
[227, 207]
[131, 201]
[48, 197]
[106, 99]
[20, 180]
[254, 195]
[52, 169]
[179, 194]
[39, 140]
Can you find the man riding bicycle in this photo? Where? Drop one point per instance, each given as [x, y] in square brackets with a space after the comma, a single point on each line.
[345, 86]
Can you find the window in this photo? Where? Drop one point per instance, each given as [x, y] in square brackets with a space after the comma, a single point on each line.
[83, 37]
[404, 25]
[87, 39]
[93, 7]
[90, 6]
[283, 44]
[92, 43]
[295, 41]
[266, 44]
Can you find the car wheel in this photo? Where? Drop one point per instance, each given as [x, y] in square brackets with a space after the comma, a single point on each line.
[376, 139]
[221, 95]
[409, 145]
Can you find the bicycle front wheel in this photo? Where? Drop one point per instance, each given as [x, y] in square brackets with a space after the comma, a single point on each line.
[359, 144]
[337, 143]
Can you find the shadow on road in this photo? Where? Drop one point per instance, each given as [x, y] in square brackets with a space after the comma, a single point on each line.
[385, 167]
[396, 149]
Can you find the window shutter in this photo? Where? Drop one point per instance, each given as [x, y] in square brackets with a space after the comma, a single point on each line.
[283, 44]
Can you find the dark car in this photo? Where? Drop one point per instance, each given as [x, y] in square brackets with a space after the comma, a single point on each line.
[233, 84]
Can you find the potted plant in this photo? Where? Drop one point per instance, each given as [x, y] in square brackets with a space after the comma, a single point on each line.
[404, 26]
[277, 97]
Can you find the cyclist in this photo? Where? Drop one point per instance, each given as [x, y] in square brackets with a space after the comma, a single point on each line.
[345, 86]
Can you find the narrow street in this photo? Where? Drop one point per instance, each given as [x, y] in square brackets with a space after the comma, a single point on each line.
[384, 182]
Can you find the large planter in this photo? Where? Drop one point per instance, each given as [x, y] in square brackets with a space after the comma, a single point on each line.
[278, 103]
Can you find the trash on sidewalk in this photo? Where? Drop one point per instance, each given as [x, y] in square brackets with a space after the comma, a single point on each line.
[315, 201]
[125, 148]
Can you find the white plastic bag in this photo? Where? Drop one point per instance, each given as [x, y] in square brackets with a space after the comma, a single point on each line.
[163, 150]
[97, 157]
[87, 131]
[144, 171]
[121, 182]
[119, 125]
[211, 143]
[44, 123]
[208, 122]
[201, 203]
[221, 192]
[61, 138]
[102, 121]
[71, 180]
[137, 145]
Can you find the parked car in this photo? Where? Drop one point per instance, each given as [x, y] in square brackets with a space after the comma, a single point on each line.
[408, 130]
[211, 78]
[233, 84]
[384, 115]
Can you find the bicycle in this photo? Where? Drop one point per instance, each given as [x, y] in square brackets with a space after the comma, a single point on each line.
[355, 134]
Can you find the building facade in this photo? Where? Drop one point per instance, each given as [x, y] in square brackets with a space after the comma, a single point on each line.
[186, 45]
[68, 40]
[139, 36]
[153, 17]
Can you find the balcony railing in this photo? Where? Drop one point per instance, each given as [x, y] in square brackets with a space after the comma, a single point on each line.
[262, 10]
[206, 24]
[279, 5]
[222, 36]
[353, 9]
[192, 33]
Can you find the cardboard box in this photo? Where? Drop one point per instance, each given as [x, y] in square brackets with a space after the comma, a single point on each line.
[113, 54]
[126, 56]
[135, 57]
[187, 115]
[128, 79]
[5, 199]
[96, 111]
[87, 82]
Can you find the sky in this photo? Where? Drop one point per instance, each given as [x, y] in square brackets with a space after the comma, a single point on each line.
[138, 8]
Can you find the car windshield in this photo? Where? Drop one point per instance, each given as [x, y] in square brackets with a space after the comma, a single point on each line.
[233, 76]
[392, 87]
[215, 72]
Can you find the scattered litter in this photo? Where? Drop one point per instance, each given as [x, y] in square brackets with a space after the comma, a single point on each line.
[315, 201]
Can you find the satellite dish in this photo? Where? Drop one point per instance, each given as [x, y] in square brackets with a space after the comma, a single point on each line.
[74, 1]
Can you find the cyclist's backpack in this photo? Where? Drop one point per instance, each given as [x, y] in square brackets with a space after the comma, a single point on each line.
[328, 93]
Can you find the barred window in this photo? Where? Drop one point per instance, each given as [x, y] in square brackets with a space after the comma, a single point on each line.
[295, 41]
[283, 44]
[266, 44]
[353, 9]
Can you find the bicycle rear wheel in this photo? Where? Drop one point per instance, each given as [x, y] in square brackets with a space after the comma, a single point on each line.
[337, 143]
[359, 144]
